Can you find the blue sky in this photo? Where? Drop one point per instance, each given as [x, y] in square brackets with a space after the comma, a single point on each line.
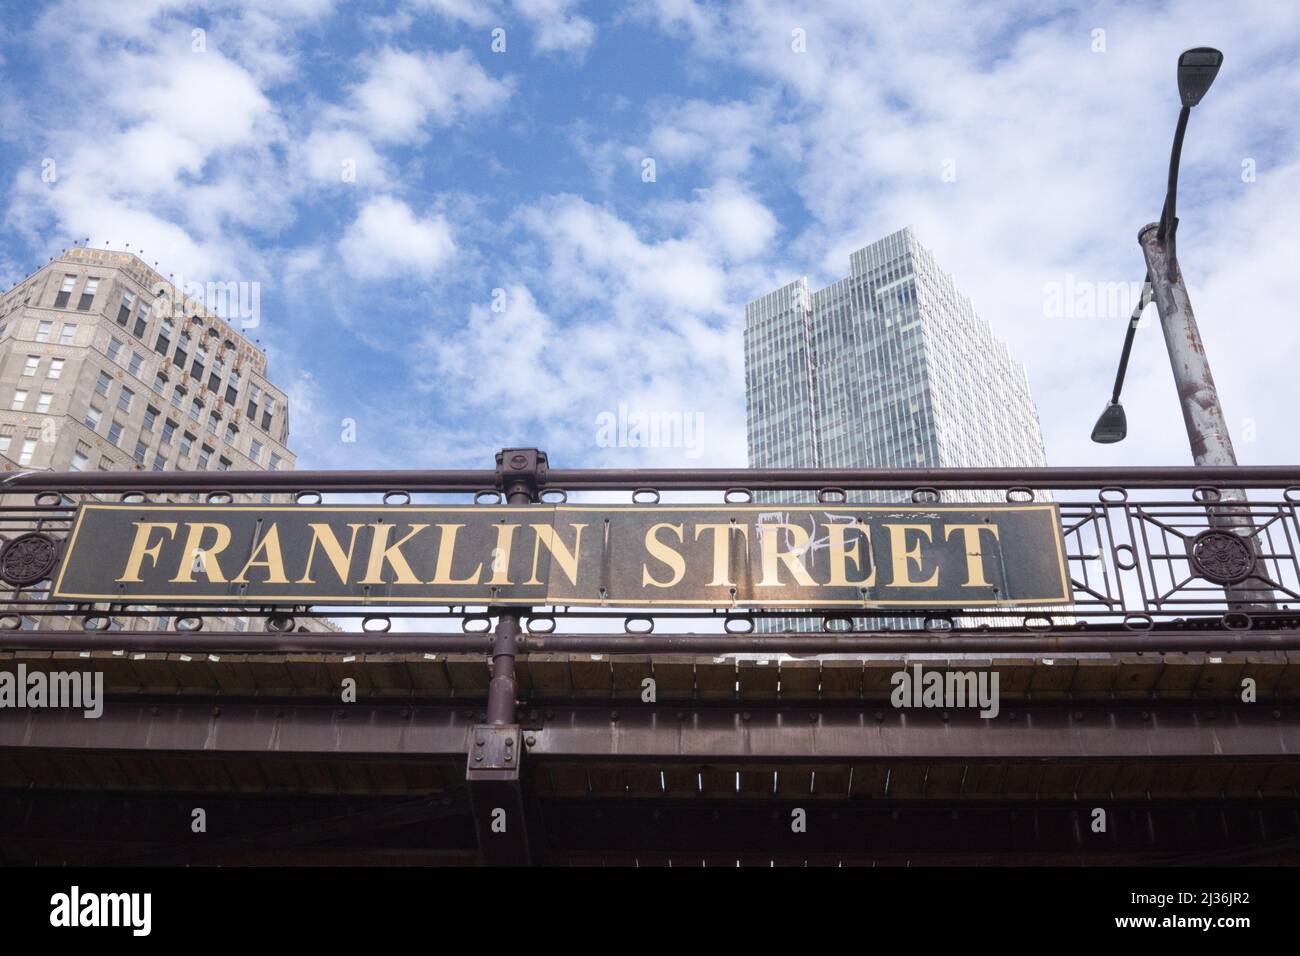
[783, 137]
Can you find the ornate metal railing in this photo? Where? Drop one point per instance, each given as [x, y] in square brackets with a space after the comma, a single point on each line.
[1150, 552]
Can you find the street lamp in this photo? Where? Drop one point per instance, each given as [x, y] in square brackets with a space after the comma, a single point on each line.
[1197, 69]
[1207, 431]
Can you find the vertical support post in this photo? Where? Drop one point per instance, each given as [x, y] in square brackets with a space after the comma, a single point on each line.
[1207, 429]
[496, 752]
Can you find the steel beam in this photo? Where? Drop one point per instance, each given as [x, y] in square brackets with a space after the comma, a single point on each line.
[742, 734]
[207, 727]
[994, 640]
[772, 735]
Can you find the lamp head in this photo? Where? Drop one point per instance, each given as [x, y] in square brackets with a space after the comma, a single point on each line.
[1197, 69]
[1112, 426]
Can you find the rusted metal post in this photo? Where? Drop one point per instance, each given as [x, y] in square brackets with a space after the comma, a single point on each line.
[1207, 429]
[496, 751]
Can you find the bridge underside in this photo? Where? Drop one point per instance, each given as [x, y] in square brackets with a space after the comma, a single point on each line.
[791, 762]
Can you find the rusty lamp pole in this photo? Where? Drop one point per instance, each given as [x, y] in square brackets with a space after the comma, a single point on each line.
[1207, 429]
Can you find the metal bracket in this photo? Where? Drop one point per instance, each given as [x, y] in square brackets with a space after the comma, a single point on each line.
[521, 470]
[495, 752]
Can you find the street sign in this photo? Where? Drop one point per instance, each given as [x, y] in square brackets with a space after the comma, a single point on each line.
[721, 556]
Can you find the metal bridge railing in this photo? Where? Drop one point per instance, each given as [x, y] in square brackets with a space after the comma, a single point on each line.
[1153, 562]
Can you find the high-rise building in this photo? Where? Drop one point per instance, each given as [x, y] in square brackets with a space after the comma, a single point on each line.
[106, 365]
[888, 368]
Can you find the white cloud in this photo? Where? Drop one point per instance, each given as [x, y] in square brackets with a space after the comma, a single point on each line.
[328, 153]
[737, 223]
[474, 12]
[404, 92]
[388, 239]
[556, 28]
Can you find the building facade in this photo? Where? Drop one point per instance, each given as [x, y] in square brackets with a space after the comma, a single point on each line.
[888, 368]
[106, 365]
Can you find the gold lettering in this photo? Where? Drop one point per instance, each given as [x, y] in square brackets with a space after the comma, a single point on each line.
[323, 535]
[139, 551]
[722, 550]
[901, 556]
[841, 555]
[273, 562]
[382, 552]
[769, 541]
[568, 560]
[204, 558]
[501, 554]
[970, 534]
[446, 553]
[660, 551]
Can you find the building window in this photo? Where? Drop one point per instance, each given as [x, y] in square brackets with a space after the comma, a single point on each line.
[5, 442]
[43, 402]
[20, 399]
[124, 311]
[115, 432]
[169, 429]
[102, 383]
[30, 367]
[255, 451]
[79, 460]
[140, 451]
[178, 397]
[66, 334]
[124, 399]
[223, 464]
[43, 331]
[150, 417]
[87, 295]
[56, 368]
[232, 394]
[187, 444]
[92, 417]
[214, 383]
[114, 348]
[276, 461]
[159, 462]
[65, 291]
[196, 408]
[136, 364]
[214, 422]
[141, 324]
[231, 432]
[205, 454]
[29, 449]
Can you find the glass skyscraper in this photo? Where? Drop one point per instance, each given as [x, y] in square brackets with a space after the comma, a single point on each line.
[888, 368]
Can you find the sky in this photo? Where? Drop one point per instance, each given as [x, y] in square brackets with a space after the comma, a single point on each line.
[477, 225]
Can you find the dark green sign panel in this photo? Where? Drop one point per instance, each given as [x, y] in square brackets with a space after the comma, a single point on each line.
[850, 556]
